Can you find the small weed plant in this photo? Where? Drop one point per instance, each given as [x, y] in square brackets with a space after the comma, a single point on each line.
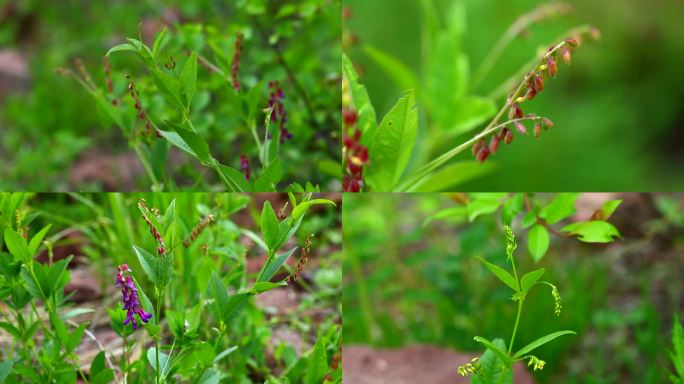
[179, 306]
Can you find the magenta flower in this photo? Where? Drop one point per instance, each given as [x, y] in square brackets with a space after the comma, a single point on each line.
[131, 302]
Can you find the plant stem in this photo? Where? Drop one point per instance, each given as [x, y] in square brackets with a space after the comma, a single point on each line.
[412, 180]
[511, 33]
[160, 295]
[145, 163]
[515, 327]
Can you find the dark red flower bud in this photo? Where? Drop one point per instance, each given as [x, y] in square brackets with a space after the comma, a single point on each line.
[515, 112]
[483, 154]
[349, 117]
[548, 123]
[531, 93]
[538, 83]
[595, 33]
[477, 146]
[537, 130]
[572, 42]
[494, 144]
[508, 137]
[553, 67]
[521, 128]
[565, 54]
[357, 135]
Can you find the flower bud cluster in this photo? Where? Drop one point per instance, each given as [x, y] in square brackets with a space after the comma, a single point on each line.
[355, 154]
[235, 65]
[302, 262]
[108, 80]
[198, 230]
[244, 166]
[142, 114]
[529, 88]
[161, 247]
[278, 112]
[471, 368]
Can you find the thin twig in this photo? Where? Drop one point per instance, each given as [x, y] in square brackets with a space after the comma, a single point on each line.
[290, 74]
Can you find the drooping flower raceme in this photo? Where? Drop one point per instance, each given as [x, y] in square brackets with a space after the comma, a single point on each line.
[131, 302]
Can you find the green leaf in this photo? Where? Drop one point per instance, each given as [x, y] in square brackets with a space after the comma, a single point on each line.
[39, 287]
[529, 219]
[606, 210]
[446, 178]
[502, 274]
[188, 78]
[235, 305]
[529, 279]
[595, 231]
[273, 265]
[482, 206]
[494, 370]
[498, 351]
[399, 73]
[16, 245]
[270, 226]
[367, 121]
[265, 286]
[103, 377]
[155, 268]
[457, 214]
[164, 365]
[217, 291]
[210, 376]
[223, 354]
[234, 178]
[302, 208]
[122, 47]
[74, 338]
[317, 365]
[98, 363]
[159, 42]
[511, 208]
[5, 369]
[562, 206]
[269, 177]
[34, 244]
[392, 143]
[540, 341]
[189, 141]
[538, 242]
[169, 87]
[676, 354]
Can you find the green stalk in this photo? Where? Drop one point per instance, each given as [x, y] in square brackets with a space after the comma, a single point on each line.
[515, 327]
[160, 295]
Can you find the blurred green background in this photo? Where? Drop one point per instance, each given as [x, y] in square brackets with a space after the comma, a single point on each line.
[408, 282]
[617, 107]
[53, 138]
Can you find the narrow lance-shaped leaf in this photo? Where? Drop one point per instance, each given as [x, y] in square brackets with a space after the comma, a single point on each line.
[541, 341]
[188, 79]
[502, 274]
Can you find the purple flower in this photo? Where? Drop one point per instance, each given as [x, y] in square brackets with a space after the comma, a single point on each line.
[131, 302]
[279, 115]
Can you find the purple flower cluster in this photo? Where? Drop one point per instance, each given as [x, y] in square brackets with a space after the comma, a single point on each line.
[131, 302]
[244, 166]
[279, 115]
